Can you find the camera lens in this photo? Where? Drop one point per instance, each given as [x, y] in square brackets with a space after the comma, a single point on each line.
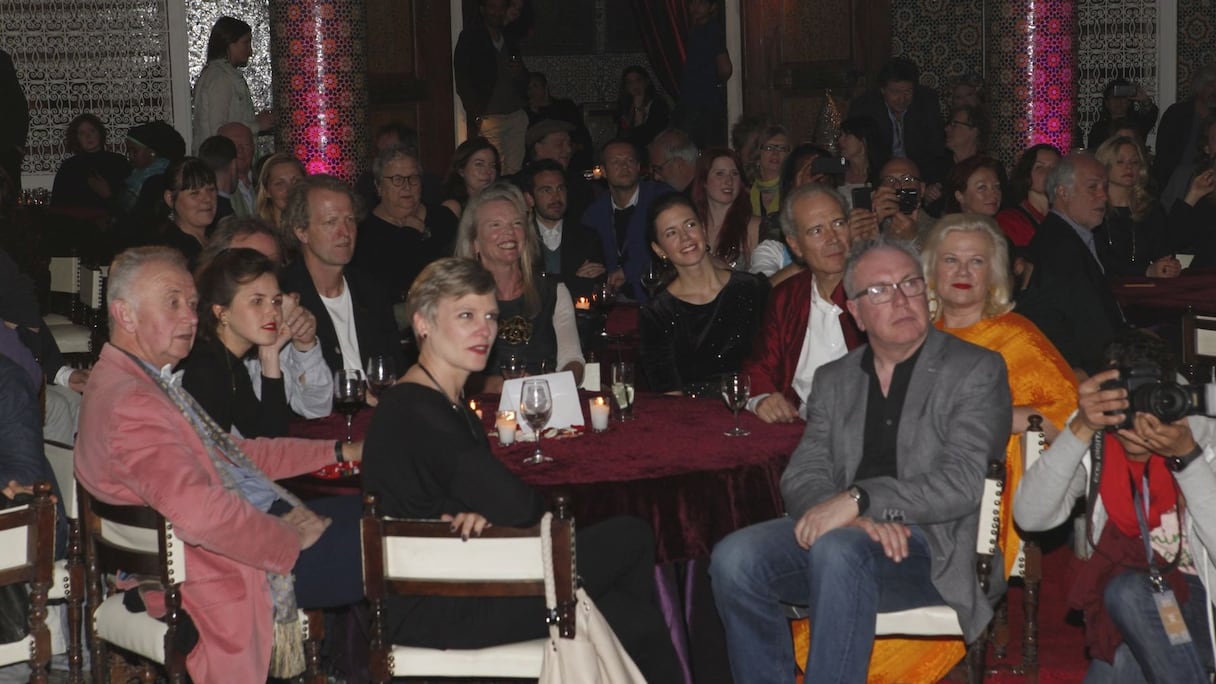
[1167, 401]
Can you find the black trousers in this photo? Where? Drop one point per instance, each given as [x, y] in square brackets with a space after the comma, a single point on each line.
[616, 564]
[329, 574]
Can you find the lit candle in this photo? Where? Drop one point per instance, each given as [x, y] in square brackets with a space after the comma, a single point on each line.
[582, 303]
[473, 407]
[505, 422]
[599, 414]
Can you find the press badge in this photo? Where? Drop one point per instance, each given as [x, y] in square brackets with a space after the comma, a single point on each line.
[1171, 618]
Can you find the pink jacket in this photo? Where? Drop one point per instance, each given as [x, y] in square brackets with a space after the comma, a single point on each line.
[135, 447]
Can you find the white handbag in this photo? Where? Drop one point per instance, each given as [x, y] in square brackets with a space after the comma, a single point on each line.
[594, 655]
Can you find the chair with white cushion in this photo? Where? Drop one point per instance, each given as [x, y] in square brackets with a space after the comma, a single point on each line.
[412, 557]
[27, 553]
[941, 620]
[68, 584]
[139, 541]
[65, 321]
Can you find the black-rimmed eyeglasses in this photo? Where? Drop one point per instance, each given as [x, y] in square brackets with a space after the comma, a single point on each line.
[885, 292]
[402, 181]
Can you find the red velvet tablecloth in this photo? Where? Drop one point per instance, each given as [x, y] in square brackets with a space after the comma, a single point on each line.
[671, 465]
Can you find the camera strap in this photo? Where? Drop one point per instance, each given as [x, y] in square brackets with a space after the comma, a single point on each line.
[1167, 605]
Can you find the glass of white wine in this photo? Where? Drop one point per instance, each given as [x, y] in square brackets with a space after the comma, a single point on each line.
[736, 389]
[621, 389]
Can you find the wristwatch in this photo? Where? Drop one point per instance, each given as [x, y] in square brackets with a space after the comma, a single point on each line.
[338, 455]
[860, 497]
[1178, 463]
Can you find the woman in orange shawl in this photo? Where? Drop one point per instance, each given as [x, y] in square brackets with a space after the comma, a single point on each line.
[967, 266]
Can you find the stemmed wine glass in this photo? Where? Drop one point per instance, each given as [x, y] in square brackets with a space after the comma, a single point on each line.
[652, 277]
[349, 395]
[736, 388]
[602, 298]
[536, 405]
[381, 374]
[513, 367]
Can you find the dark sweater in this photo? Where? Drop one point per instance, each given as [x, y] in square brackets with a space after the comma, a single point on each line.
[218, 380]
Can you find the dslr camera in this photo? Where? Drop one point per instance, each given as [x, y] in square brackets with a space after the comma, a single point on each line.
[909, 199]
[1149, 391]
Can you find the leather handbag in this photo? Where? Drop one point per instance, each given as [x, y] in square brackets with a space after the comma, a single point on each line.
[594, 655]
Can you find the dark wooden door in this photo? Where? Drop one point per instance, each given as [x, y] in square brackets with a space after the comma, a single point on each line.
[793, 50]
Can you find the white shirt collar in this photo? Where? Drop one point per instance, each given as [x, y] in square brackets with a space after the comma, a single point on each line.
[633, 201]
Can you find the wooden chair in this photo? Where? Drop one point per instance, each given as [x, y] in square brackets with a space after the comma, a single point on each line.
[27, 554]
[1198, 337]
[941, 620]
[69, 584]
[410, 557]
[65, 321]
[139, 541]
[1029, 567]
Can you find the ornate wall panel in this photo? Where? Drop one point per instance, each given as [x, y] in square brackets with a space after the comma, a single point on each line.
[108, 57]
[1196, 40]
[944, 37]
[1115, 38]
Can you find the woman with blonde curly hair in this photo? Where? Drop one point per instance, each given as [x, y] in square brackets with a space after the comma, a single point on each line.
[1132, 241]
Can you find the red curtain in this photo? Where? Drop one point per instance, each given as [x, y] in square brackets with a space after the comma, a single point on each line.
[662, 25]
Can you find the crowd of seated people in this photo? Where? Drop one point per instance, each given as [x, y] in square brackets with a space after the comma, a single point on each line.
[260, 281]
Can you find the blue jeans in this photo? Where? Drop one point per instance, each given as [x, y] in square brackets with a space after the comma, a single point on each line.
[844, 579]
[1146, 654]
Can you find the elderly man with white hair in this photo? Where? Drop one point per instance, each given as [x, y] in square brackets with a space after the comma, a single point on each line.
[145, 441]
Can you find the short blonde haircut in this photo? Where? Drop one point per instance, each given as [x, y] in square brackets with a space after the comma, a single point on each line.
[998, 299]
[447, 278]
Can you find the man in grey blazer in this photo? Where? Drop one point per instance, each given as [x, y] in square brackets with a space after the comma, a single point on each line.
[882, 493]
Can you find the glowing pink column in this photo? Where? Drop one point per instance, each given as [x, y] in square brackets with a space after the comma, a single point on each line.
[319, 62]
[1032, 75]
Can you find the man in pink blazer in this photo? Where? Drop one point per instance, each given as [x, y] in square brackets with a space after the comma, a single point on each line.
[137, 447]
[805, 322]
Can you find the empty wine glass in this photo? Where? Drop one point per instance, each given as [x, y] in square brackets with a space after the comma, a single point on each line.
[349, 395]
[513, 367]
[536, 406]
[381, 374]
[736, 388]
[652, 277]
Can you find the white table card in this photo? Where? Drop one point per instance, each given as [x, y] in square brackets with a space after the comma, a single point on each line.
[567, 409]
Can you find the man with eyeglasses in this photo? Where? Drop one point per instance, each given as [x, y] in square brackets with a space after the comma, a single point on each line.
[882, 492]
[805, 322]
[673, 159]
[897, 212]
[619, 218]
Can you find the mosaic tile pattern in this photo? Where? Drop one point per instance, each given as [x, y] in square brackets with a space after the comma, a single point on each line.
[1115, 38]
[1196, 40]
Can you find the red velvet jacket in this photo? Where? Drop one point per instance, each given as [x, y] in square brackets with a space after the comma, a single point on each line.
[774, 356]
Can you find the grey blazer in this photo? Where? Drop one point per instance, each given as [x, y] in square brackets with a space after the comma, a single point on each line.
[956, 418]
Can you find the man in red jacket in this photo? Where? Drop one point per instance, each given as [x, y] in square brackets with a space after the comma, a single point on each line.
[806, 323]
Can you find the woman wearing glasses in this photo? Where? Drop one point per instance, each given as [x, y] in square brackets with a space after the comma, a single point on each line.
[966, 268]
[766, 187]
[401, 235]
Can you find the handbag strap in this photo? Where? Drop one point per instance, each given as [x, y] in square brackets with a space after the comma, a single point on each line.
[546, 552]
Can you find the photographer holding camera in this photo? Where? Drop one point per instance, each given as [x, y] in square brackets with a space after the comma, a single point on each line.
[1151, 484]
[897, 211]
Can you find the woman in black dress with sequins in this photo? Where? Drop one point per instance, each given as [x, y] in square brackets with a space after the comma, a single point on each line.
[702, 324]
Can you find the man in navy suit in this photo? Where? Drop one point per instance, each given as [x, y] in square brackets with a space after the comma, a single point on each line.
[619, 217]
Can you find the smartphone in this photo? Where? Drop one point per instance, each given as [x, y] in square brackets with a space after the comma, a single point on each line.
[1123, 91]
[863, 198]
[827, 165]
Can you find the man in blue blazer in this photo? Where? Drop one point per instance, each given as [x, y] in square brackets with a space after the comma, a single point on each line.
[883, 492]
[619, 218]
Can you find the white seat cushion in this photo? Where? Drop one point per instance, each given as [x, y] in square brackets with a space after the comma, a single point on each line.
[72, 339]
[136, 632]
[926, 621]
[19, 651]
[520, 659]
[56, 319]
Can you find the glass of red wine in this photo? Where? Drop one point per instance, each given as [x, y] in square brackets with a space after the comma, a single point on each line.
[349, 395]
[381, 374]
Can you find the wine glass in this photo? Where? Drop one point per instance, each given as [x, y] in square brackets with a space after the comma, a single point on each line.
[736, 388]
[652, 277]
[349, 395]
[536, 405]
[513, 367]
[381, 374]
[602, 298]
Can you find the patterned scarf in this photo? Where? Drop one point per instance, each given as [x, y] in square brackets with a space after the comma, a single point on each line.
[287, 653]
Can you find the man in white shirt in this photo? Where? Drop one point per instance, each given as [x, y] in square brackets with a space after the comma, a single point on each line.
[354, 319]
[805, 323]
[569, 250]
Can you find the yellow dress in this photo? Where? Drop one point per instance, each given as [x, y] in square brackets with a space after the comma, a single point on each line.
[1038, 377]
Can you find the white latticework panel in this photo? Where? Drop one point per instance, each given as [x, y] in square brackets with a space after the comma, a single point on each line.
[201, 15]
[108, 57]
[1115, 38]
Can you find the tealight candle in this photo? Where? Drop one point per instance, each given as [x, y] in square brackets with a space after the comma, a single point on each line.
[599, 414]
[505, 422]
[474, 409]
[582, 303]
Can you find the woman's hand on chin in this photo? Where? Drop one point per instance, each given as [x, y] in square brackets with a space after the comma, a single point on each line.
[466, 523]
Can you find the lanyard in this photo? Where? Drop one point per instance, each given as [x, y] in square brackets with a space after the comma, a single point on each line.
[1140, 501]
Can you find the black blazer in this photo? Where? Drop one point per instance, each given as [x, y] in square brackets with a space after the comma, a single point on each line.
[579, 244]
[1069, 297]
[1172, 136]
[375, 326]
[924, 132]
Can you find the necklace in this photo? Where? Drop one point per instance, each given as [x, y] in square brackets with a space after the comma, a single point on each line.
[440, 387]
